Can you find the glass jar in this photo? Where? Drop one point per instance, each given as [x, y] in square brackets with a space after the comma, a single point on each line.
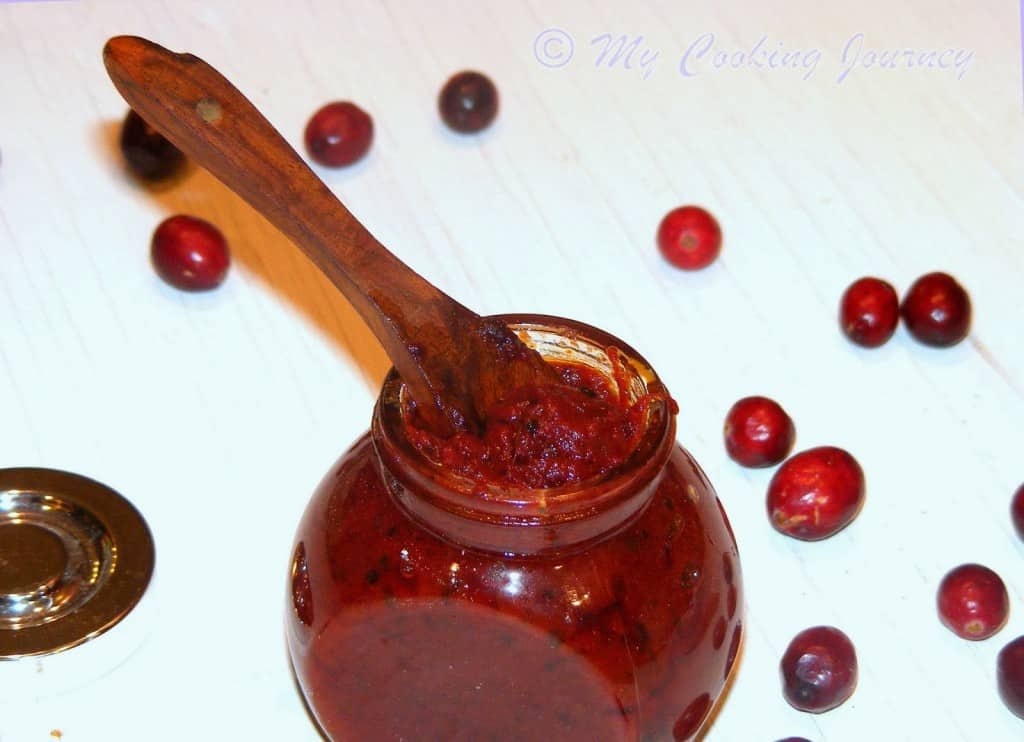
[423, 605]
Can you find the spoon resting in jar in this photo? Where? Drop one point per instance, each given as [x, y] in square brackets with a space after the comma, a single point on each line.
[455, 363]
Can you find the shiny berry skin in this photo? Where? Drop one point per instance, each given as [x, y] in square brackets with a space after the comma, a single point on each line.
[468, 102]
[189, 253]
[937, 310]
[689, 238]
[1010, 675]
[1017, 511]
[819, 669]
[758, 432]
[869, 312]
[816, 493]
[973, 602]
[339, 134]
[148, 154]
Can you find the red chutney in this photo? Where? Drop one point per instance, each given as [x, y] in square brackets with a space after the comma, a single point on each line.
[607, 611]
[547, 435]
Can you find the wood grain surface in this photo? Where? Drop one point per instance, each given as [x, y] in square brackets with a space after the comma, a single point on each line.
[217, 414]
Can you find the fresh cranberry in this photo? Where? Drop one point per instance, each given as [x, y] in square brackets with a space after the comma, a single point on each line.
[973, 602]
[190, 254]
[339, 134]
[937, 310]
[148, 154]
[1010, 675]
[819, 669]
[758, 432]
[816, 493]
[689, 238]
[468, 102]
[869, 312]
[1017, 511]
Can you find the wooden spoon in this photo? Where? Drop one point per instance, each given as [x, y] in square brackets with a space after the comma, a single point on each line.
[454, 362]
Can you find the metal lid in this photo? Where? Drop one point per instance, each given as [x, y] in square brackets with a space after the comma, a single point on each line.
[75, 558]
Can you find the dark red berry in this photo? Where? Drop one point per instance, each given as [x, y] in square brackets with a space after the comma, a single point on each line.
[973, 602]
[689, 238]
[758, 432]
[795, 739]
[819, 669]
[937, 310]
[1010, 675]
[189, 253]
[816, 493]
[148, 154]
[339, 134]
[1017, 511]
[869, 312]
[468, 102]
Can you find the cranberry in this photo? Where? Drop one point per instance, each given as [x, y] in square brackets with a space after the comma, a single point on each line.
[816, 493]
[937, 310]
[1010, 675]
[190, 254]
[468, 102]
[1017, 511]
[973, 602]
[869, 312]
[758, 432]
[689, 238]
[339, 134]
[819, 669]
[148, 154]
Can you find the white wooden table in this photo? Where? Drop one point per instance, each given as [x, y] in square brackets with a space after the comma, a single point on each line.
[228, 407]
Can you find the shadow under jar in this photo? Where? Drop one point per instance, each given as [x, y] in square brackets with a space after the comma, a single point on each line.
[425, 605]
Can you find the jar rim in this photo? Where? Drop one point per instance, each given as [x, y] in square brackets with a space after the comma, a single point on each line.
[510, 505]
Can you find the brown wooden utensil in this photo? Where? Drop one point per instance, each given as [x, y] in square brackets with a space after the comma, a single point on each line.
[454, 362]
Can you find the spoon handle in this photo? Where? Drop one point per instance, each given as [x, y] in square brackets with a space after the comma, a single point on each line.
[424, 331]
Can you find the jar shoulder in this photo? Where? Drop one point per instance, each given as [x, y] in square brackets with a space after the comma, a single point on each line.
[360, 546]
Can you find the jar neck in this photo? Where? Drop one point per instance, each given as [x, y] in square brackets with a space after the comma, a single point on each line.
[511, 520]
